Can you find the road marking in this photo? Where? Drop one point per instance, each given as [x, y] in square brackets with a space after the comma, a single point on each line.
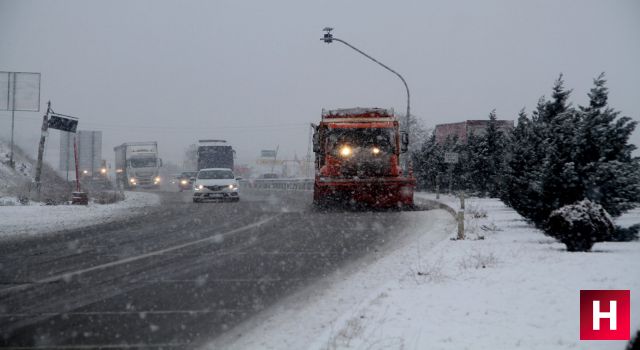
[68, 275]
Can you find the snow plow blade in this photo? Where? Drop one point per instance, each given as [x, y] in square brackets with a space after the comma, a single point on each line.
[382, 193]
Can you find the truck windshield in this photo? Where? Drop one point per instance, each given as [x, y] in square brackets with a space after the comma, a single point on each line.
[215, 174]
[381, 138]
[143, 162]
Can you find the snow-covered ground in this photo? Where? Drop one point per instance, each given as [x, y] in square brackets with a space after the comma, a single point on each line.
[506, 287]
[35, 219]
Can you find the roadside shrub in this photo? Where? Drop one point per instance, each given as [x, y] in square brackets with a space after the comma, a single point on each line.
[107, 197]
[579, 226]
[626, 234]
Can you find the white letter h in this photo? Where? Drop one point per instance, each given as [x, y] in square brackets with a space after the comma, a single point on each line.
[611, 315]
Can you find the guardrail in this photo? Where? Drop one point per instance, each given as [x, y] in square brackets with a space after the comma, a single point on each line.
[298, 184]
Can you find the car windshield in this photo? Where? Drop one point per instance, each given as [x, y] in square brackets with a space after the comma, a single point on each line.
[143, 162]
[215, 174]
[380, 137]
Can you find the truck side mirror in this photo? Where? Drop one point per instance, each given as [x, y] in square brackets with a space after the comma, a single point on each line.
[404, 144]
[316, 142]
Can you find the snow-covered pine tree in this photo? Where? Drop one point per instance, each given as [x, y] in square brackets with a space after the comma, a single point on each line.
[608, 173]
[557, 122]
[479, 173]
[486, 158]
[427, 163]
[520, 180]
[495, 155]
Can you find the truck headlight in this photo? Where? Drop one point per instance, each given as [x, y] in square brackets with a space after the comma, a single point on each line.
[346, 151]
[132, 180]
[375, 151]
[157, 179]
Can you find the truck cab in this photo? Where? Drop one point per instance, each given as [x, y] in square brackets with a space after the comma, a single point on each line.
[358, 158]
[138, 164]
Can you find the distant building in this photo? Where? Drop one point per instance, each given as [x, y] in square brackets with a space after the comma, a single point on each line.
[468, 127]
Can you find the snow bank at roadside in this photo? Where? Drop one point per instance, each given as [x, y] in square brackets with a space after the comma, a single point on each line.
[507, 287]
[19, 220]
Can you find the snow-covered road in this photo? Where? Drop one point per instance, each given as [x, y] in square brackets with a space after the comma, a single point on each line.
[507, 286]
[20, 220]
[311, 318]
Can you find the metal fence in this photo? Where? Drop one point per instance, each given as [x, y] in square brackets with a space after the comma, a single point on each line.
[301, 184]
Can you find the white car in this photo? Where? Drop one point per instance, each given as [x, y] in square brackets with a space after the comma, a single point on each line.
[215, 184]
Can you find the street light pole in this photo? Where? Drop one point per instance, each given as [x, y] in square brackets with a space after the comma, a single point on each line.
[329, 38]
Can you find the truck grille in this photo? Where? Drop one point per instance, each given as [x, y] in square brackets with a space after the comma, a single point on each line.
[366, 167]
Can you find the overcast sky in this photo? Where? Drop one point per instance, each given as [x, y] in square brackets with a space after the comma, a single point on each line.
[255, 72]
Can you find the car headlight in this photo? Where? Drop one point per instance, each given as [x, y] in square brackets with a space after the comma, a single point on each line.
[375, 151]
[132, 180]
[184, 182]
[346, 151]
[233, 187]
[198, 187]
[157, 179]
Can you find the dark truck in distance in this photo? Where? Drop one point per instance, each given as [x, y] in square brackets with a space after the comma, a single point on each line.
[214, 154]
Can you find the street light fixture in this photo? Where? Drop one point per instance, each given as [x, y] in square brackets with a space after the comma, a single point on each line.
[329, 38]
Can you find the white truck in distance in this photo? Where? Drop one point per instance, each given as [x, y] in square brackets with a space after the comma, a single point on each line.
[137, 164]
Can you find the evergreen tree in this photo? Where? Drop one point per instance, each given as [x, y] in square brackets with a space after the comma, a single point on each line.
[521, 184]
[609, 174]
[486, 158]
[479, 172]
[564, 155]
[495, 155]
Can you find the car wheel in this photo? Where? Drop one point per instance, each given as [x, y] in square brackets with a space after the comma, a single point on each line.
[196, 200]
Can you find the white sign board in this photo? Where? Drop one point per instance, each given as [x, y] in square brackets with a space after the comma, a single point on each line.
[268, 153]
[19, 91]
[451, 157]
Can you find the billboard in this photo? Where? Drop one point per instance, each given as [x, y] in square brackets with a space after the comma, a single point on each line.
[268, 153]
[89, 151]
[63, 123]
[19, 91]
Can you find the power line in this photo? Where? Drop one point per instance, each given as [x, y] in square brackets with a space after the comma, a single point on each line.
[190, 128]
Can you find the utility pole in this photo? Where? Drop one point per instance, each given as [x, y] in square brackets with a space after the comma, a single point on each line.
[12, 164]
[43, 135]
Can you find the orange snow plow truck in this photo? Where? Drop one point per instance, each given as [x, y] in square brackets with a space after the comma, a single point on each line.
[358, 159]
